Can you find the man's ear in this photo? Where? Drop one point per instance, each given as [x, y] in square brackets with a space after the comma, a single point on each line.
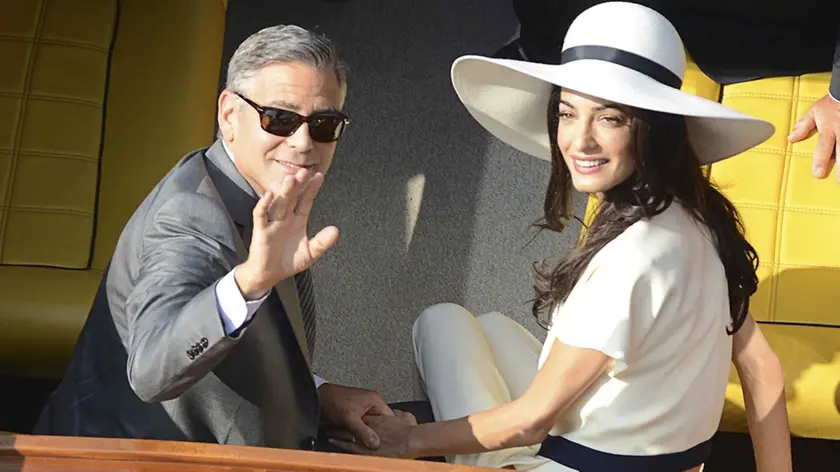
[227, 114]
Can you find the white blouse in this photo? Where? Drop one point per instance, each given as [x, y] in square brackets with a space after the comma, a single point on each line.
[654, 299]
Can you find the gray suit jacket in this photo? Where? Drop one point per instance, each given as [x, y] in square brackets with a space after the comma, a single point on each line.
[153, 360]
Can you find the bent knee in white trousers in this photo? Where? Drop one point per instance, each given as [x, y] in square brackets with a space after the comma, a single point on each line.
[469, 364]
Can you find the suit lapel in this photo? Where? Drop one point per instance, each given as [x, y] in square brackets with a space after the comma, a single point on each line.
[236, 193]
[239, 198]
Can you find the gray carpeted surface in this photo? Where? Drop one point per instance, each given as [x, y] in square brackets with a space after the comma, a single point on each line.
[431, 208]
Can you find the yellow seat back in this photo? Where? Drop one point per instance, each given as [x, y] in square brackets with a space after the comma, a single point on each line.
[790, 216]
[54, 87]
[98, 100]
[793, 221]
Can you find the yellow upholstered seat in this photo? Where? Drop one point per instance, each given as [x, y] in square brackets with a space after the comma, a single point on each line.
[97, 101]
[793, 221]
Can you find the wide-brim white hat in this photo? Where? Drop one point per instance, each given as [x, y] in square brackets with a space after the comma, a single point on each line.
[619, 52]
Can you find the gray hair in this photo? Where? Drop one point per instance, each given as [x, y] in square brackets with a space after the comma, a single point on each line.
[283, 44]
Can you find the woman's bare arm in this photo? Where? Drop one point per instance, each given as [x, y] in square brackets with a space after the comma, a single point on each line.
[763, 384]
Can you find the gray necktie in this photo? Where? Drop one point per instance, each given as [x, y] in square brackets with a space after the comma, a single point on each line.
[306, 294]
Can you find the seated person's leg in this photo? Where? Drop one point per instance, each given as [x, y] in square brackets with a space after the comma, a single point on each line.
[457, 356]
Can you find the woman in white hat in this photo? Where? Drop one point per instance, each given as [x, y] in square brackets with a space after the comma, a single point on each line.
[641, 317]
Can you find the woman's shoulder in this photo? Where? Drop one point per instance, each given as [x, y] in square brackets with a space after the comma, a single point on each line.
[664, 242]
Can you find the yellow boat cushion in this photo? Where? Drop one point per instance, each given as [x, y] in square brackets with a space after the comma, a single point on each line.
[98, 99]
[53, 84]
[782, 206]
[792, 220]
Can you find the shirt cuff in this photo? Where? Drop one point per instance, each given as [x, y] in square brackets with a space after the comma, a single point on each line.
[318, 381]
[233, 308]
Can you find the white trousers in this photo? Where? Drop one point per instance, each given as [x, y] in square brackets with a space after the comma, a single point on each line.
[469, 364]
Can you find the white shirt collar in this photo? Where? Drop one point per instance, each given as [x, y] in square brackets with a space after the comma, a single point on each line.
[227, 151]
[230, 155]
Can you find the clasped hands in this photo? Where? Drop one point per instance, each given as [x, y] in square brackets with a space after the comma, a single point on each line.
[362, 423]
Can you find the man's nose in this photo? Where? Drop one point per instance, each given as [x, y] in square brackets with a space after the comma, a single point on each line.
[301, 140]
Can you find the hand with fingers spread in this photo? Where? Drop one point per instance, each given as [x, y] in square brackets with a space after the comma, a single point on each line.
[280, 247]
[823, 118]
[393, 431]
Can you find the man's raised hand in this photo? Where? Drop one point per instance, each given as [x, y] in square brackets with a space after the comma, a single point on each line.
[280, 247]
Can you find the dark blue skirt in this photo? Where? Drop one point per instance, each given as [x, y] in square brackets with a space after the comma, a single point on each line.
[585, 459]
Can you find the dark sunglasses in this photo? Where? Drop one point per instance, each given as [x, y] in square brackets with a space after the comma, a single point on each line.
[324, 126]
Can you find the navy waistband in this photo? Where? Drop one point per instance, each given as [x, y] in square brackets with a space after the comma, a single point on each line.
[585, 459]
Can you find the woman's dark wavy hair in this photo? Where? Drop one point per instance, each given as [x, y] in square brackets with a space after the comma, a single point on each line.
[667, 170]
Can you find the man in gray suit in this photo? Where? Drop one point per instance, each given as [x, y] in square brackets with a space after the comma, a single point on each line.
[203, 325]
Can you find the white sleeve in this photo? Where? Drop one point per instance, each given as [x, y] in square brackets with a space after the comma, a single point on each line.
[607, 306]
[318, 380]
[233, 307]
